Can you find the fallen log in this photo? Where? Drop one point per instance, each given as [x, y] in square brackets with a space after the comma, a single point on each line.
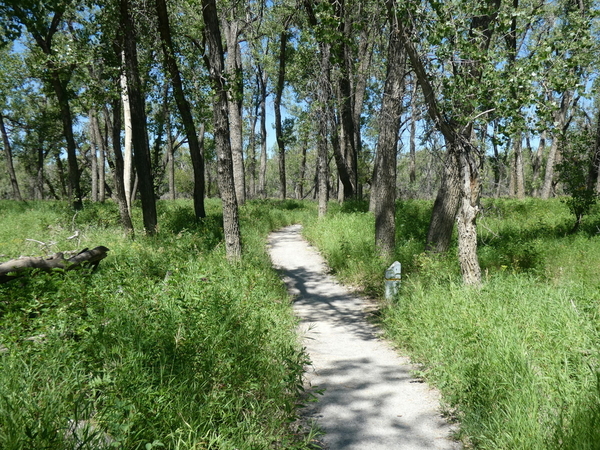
[14, 268]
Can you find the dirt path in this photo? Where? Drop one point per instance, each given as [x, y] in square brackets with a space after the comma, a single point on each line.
[371, 402]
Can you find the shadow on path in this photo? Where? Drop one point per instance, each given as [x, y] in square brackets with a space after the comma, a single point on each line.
[370, 400]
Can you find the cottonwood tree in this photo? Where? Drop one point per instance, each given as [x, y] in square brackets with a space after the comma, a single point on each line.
[141, 151]
[383, 193]
[216, 68]
[183, 106]
[45, 21]
[452, 113]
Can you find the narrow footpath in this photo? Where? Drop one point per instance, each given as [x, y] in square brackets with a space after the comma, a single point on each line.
[371, 401]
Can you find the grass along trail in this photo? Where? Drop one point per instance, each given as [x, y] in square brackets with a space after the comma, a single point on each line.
[370, 400]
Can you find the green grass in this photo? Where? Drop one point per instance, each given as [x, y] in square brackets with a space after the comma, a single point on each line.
[517, 361]
[166, 345]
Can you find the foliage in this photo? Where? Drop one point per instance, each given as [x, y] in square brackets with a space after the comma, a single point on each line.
[166, 345]
[516, 360]
[573, 173]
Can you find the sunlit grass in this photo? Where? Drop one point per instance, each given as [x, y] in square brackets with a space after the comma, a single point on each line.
[165, 345]
[517, 361]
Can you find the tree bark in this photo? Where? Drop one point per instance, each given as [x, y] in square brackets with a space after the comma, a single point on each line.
[231, 227]
[93, 155]
[519, 171]
[536, 165]
[128, 150]
[560, 118]
[183, 106]
[9, 161]
[235, 95]
[414, 116]
[469, 166]
[322, 118]
[445, 208]
[118, 169]
[302, 171]
[141, 150]
[262, 170]
[593, 181]
[277, 107]
[384, 175]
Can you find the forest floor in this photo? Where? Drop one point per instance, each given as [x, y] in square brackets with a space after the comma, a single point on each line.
[370, 399]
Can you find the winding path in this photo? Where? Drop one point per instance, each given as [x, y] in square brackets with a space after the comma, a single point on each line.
[371, 401]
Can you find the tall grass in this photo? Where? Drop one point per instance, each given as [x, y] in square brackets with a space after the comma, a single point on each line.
[166, 345]
[517, 361]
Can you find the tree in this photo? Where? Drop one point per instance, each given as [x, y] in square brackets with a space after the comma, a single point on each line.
[184, 107]
[43, 21]
[215, 63]
[9, 161]
[456, 120]
[141, 150]
[383, 194]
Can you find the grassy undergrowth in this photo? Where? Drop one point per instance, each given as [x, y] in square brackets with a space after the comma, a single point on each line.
[517, 361]
[166, 345]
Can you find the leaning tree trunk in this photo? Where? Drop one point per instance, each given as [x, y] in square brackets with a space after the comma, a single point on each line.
[141, 150]
[184, 108]
[65, 112]
[9, 161]
[445, 208]
[231, 227]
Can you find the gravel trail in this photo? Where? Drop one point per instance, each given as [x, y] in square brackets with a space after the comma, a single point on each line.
[371, 401]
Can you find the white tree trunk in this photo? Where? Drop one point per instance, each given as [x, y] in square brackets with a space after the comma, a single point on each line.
[127, 150]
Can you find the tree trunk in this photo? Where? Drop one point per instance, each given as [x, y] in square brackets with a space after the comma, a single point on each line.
[252, 189]
[94, 155]
[262, 171]
[549, 175]
[384, 176]
[128, 150]
[445, 208]
[277, 106]
[171, 161]
[65, 112]
[141, 150]
[414, 116]
[347, 160]
[302, 172]
[365, 53]
[470, 184]
[519, 172]
[235, 95]
[15, 268]
[593, 181]
[39, 182]
[9, 161]
[560, 118]
[322, 115]
[536, 165]
[183, 106]
[233, 244]
[119, 165]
